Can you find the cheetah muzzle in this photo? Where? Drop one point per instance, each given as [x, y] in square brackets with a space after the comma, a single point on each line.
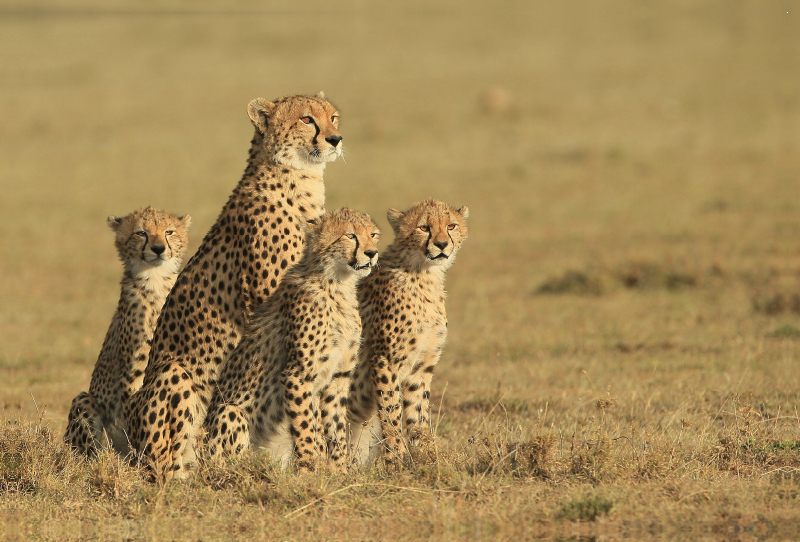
[359, 266]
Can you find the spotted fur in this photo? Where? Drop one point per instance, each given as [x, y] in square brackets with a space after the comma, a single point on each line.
[402, 307]
[258, 236]
[285, 386]
[151, 244]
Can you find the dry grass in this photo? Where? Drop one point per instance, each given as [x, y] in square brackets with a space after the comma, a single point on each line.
[624, 326]
[498, 482]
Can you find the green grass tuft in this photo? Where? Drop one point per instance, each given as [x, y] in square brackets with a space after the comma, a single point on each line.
[587, 508]
[786, 331]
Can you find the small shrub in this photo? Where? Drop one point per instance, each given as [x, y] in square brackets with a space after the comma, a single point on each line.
[572, 282]
[653, 465]
[590, 460]
[768, 303]
[532, 458]
[632, 275]
[430, 465]
[772, 302]
[654, 276]
[521, 459]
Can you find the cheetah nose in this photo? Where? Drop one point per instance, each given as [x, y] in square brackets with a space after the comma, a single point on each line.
[371, 253]
[440, 244]
[158, 249]
[333, 140]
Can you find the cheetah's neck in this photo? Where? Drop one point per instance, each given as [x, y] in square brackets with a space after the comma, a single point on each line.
[300, 187]
[150, 283]
[142, 298]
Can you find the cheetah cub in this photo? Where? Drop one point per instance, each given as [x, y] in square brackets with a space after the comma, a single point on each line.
[405, 327]
[285, 387]
[150, 244]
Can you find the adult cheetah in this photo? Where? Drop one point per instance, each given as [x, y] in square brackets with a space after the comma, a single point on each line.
[285, 386]
[150, 243]
[258, 236]
[405, 327]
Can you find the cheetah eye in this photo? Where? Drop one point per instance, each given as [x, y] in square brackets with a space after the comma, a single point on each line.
[350, 235]
[425, 228]
[375, 235]
[307, 120]
[335, 118]
[169, 232]
[140, 233]
[451, 226]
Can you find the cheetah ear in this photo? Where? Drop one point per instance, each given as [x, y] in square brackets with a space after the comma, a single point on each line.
[464, 212]
[114, 222]
[259, 111]
[186, 220]
[394, 216]
[321, 94]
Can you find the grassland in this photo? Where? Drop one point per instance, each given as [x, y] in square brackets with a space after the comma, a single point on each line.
[624, 319]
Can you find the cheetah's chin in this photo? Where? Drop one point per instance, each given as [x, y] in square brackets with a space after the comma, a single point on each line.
[318, 155]
[362, 270]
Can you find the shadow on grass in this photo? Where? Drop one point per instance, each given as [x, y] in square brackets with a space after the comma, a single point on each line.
[633, 275]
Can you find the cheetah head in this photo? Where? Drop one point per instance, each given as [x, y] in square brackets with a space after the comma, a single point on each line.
[298, 131]
[150, 238]
[346, 242]
[430, 233]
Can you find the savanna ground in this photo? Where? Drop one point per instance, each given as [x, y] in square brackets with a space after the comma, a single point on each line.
[624, 319]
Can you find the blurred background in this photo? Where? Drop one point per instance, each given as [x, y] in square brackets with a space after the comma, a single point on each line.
[631, 170]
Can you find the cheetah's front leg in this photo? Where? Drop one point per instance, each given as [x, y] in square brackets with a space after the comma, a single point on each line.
[227, 431]
[163, 420]
[302, 412]
[387, 393]
[362, 412]
[333, 407]
[416, 395]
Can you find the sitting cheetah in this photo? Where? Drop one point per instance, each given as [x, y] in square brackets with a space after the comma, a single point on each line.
[258, 236]
[285, 386]
[150, 244]
[405, 327]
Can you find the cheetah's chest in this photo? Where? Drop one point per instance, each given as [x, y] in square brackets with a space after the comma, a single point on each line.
[427, 337]
[330, 356]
